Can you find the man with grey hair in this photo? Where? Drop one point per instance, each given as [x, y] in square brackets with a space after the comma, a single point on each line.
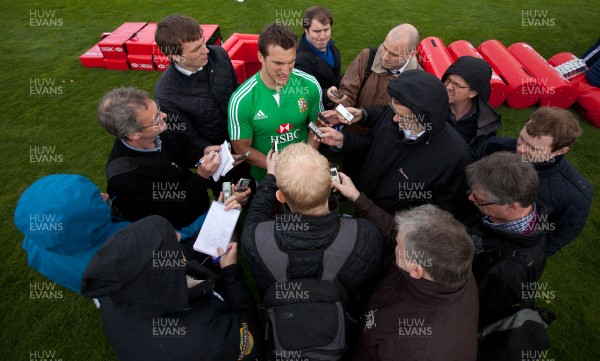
[428, 298]
[429, 295]
[144, 172]
[510, 239]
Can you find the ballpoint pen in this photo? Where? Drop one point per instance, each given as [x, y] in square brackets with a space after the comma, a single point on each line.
[202, 160]
[216, 260]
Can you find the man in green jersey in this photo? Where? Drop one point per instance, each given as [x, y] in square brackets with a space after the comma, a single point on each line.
[274, 104]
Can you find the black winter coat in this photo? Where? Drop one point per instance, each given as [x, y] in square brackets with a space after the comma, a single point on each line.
[501, 284]
[196, 108]
[399, 173]
[150, 313]
[164, 187]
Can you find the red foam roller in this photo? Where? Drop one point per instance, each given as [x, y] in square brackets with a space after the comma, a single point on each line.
[434, 56]
[553, 88]
[522, 88]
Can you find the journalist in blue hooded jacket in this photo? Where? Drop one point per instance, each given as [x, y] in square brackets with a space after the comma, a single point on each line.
[65, 221]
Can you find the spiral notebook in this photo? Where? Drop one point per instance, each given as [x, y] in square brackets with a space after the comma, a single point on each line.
[217, 229]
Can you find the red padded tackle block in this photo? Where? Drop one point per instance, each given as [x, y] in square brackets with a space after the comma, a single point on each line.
[140, 62]
[116, 64]
[93, 58]
[142, 42]
[113, 46]
[161, 61]
[243, 52]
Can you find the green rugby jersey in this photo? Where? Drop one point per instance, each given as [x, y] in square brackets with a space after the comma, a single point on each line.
[254, 112]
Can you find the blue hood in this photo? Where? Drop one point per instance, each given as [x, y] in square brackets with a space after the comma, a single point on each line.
[65, 221]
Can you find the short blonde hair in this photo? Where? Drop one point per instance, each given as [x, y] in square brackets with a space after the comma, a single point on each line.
[303, 177]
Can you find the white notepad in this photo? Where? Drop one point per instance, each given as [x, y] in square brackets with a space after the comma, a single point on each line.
[226, 162]
[217, 229]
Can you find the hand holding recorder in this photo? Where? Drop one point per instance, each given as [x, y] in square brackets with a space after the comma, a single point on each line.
[335, 96]
[346, 187]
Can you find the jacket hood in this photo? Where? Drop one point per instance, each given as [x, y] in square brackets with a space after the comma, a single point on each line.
[65, 221]
[476, 72]
[141, 268]
[425, 95]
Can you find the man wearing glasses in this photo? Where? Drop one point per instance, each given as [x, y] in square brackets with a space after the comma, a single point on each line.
[510, 238]
[144, 173]
[544, 141]
[413, 156]
[468, 84]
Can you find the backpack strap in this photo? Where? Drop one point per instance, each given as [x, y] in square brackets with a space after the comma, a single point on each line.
[274, 259]
[334, 256]
[368, 70]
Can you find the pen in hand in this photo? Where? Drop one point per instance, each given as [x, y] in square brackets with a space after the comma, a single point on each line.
[216, 260]
[202, 160]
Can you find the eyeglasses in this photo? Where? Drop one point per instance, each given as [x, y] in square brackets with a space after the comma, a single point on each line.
[478, 201]
[454, 84]
[157, 118]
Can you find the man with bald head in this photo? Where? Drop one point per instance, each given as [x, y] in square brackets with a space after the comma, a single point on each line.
[365, 82]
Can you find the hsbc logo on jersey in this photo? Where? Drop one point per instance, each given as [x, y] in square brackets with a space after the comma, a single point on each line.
[286, 134]
[284, 128]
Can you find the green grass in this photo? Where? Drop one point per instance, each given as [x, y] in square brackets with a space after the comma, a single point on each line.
[71, 327]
